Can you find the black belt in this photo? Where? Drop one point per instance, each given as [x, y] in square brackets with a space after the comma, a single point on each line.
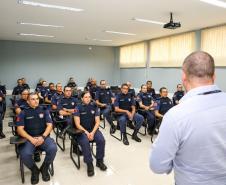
[210, 92]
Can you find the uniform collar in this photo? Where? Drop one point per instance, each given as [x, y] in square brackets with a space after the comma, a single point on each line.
[199, 90]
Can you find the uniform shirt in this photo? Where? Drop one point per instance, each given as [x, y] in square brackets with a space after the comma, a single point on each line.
[34, 120]
[22, 104]
[1, 102]
[49, 94]
[43, 91]
[67, 103]
[56, 98]
[163, 105]
[104, 96]
[152, 92]
[192, 139]
[93, 90]
[26, 86]
[87, 114]
[124, 101]
[145, 98]
[132, 92]
[3, 89]
[17, 90]
[177, 96]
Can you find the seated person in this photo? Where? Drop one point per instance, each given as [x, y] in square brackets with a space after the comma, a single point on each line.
[2, 135]
[131, 90]
[67, 107]
[163, 104]
[57, 96]
[71, 83]
[42, 91]
[21, 104]
[49, 93]
[25, 85]
[35, 124]
[178, 94]
[150, 89]
[125, 106]
[146, 103]
[104, 100]
[93, 88]
[18, 89]
[87, 118]
[3, 89]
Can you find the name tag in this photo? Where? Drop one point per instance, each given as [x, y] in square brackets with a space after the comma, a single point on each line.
[31, 117]
[83, 113]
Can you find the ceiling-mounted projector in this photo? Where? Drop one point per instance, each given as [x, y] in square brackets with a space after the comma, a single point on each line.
[171, 24]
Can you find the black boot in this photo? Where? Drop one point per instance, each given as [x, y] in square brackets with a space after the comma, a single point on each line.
[37, 157]
[125, 140]
[34, 174]
[44, 169]
[100, 164]
[77, 150]
[90, 169]
[135, 137]
[112, 129]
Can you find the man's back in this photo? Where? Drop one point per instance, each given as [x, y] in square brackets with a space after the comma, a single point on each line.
[199, 133]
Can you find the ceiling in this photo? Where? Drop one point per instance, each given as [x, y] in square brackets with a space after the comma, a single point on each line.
[100, 15]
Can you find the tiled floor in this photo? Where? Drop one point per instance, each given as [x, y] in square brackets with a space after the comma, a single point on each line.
[127, 165]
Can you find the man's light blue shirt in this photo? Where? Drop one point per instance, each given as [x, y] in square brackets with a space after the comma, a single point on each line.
[192, 139]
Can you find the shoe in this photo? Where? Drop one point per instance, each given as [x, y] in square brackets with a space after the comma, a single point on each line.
[37, 157]
[100, 164]
[34, 175]
[44, 169]
[112, 129]
[135, 137]
[130, 125]
[90, 169]
[2, 135]
[125, 140]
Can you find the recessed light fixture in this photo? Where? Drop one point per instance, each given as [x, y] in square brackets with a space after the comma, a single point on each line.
[148, 21]
[120, 33]
[215, 3]
[37, 4]
[42, 25]
[35, 35]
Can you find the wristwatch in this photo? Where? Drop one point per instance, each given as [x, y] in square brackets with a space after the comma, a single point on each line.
[44, 137]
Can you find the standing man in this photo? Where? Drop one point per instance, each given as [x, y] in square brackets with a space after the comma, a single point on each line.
[192, 136]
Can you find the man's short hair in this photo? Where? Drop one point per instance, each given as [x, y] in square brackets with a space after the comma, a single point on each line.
[199, 64]
[124, 84]
[66, 87]
[162, 88]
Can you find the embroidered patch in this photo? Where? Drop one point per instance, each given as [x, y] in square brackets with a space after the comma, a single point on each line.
[41, 115]
[92, 111]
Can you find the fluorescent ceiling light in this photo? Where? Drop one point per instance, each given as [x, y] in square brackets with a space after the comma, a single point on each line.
[42, 25]
[32, 3]
[148, 21]
[101, 40]
[35, 35]
[120, 33]
[215, 3]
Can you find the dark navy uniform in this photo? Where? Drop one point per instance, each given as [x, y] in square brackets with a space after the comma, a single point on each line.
[49, 95]
[3, 89]
[152, 92]
[56, 98]
[26, 86]
[43, 91]
[104, 96]
[177, 96]
[87, 114]
[146, 99]
[17, 90]
[67, 103]
[132, 92]
[22, 104]
[125, 102]
[35, 123]
[93, 89]
[164, 104]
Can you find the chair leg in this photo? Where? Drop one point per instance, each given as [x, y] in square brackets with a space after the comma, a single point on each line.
[22, 171]
[104, 122]
[92, 149]
[51, 169]
[76, 163]
[63, 140]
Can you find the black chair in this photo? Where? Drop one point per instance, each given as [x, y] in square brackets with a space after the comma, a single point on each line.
[17, 140]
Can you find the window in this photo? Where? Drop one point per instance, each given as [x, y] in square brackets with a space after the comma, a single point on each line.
[133, 55]
[213, 41]
[171, 51]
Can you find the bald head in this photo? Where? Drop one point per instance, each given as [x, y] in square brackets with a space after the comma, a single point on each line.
[199, 64]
